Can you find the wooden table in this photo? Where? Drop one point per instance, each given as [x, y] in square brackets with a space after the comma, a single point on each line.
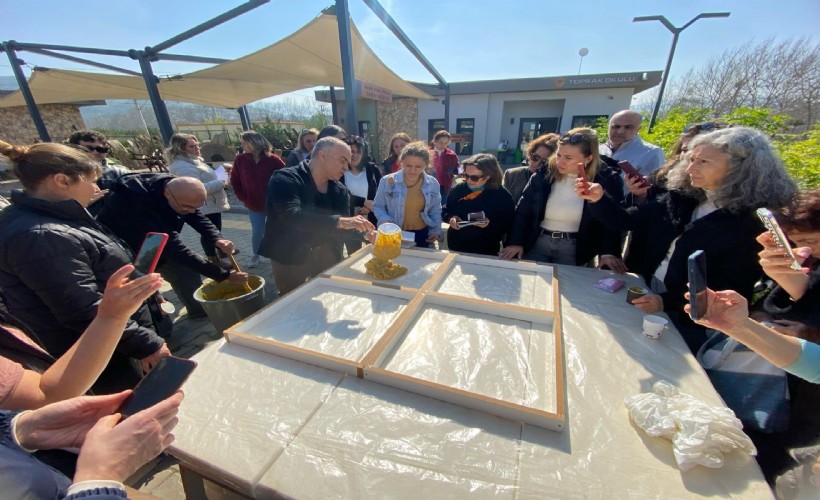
[266, 426]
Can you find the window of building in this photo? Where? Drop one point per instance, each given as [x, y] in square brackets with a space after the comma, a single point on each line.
[464, 130]
[590, 121]
[434, 126]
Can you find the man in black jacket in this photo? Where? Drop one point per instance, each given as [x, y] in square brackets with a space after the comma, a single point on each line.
[143, 203]
[306, 207]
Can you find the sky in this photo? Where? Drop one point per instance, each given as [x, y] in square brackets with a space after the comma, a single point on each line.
[463, 39]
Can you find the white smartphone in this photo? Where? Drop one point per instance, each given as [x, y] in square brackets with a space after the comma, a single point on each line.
[779, 237]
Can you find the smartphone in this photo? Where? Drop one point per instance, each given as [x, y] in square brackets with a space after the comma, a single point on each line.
[161, 383]
[632, 171]
[582, 174]
[779, 237]
[697, 284]
[476, 216]
[150, 251]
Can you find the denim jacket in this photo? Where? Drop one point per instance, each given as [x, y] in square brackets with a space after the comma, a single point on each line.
[388, 205]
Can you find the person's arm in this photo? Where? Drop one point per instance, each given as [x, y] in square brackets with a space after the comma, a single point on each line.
[775, 263]
[284, 196]
[434, 211]
[177, 251]
[236, 182]
[76, 370]
[380, 202]
[728, 311]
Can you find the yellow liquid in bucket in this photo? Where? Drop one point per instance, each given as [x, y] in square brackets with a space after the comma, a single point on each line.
[213, 291]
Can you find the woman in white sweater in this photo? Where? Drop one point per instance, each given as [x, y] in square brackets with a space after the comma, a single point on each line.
[184, 158]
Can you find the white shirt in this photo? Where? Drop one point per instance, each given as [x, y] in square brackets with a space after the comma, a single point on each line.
[356, 183]
[702, 210]
[564, 207]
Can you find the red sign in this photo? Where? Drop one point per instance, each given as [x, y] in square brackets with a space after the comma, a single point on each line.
[374, 92]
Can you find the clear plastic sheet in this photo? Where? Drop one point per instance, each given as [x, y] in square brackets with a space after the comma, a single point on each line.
[503, 358]
[498, 284]
[311, 322]
[269, 425]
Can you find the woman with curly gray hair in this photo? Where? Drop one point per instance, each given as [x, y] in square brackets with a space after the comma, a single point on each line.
[710, 206]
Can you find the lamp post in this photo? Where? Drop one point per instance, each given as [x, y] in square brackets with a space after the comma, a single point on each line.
[675, 33]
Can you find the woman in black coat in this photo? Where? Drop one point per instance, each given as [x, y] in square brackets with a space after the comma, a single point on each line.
[481, 191]
[551, 224]
[710, 206]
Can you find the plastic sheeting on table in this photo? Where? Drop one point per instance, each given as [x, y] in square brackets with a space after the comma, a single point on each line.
[362, 440]
[508, 286]
[330, 320]
[503, 358]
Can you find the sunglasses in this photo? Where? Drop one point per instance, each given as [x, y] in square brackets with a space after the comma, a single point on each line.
[573, 138]
[354, 139]
[536, 158]
[702, 127]
[474, 178]
[99, 149]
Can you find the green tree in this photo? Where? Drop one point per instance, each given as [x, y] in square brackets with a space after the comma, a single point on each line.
[280, 136]
[801, 154]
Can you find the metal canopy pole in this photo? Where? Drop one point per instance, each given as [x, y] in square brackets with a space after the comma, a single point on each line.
[393, 26]
[26, 91]
[244, 117]
[84, 61]
[334, 106]
[193, 59]
[166, 128]
[346, 49]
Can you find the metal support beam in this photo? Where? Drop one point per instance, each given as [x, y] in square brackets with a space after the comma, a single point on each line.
[346, 49]
[244, 117]
[69, 48]
[26, 91]
[334, 106]
[84, 61]
[166, 128]
[193, 59]
[393, 26]
[237, 11]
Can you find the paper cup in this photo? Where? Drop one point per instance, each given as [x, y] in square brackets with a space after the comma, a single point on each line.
[634, 292]
[653, 326]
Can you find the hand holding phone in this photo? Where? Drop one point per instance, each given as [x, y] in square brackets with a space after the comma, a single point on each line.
[162, 382]
[633, 172]
[150, 251]
[582, 174]
[697, 284]
[780, 240]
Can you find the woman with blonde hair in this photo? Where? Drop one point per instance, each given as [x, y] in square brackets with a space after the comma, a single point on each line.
[410, 198]
[551, 224]
[307, 139]
[184, 159]
[249, 179]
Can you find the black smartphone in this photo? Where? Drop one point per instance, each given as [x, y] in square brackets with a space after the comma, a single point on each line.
[150, 251]
[164, 379]
[697, 284]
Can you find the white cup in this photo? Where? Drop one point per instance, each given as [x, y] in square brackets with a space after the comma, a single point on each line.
[653, 326]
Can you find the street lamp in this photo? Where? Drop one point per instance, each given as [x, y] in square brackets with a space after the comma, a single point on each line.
[675, 32]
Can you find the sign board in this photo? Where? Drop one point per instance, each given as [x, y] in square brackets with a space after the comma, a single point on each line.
[467, 137]
[374, 92]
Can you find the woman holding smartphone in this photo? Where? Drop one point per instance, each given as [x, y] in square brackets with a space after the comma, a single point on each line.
[410, 198]
[710, 206]
[480, 193]
[551, 224]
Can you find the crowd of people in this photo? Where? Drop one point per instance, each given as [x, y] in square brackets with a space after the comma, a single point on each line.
[73, 308]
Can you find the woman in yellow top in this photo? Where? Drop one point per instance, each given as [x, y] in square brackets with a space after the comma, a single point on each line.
[410, 198]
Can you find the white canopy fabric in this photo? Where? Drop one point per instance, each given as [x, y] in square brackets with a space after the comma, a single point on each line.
[308, 58]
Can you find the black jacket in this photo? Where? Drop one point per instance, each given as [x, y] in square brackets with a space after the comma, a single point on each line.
[497, 205]
[806, 310]
[373, 175]
[54, 264]
[727, 239]
[295, 223]
[136, 206]
[593, 237]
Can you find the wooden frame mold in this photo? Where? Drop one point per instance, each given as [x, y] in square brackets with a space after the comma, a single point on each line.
[420, 296]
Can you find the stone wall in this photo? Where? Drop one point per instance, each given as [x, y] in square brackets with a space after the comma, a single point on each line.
[401, 115]
[17, 127]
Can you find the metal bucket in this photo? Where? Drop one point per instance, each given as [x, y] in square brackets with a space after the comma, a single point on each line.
[225, 313]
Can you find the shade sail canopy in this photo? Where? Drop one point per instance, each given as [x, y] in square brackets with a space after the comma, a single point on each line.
[308, 58]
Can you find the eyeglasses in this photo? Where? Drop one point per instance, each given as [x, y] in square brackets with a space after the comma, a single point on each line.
[573, 138]
[474, 178]
[700, 127]
[99, 149]
[536, 158]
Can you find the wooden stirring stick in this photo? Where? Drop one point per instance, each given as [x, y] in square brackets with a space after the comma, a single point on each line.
[236, 267]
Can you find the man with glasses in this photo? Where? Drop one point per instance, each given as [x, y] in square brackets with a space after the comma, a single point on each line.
[96, 145]
[161, 203]
[538, 152]
[624, 143]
